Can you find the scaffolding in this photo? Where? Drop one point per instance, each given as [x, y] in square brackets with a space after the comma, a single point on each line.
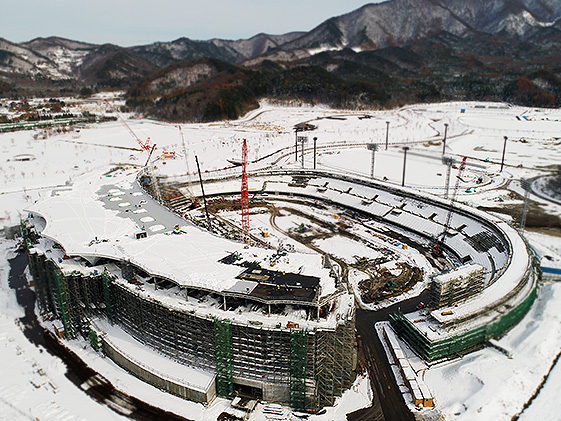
[36, 269]
[298, 342]
[94, 339]
[261, 359]
[62, 301]
[279, 364]
[107, 280]
[464, 342]
[181, 336]
[336, 359]
[457, 285]
[223, 349]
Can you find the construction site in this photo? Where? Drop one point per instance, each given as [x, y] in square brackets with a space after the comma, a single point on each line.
[233, 283]
[256, 316]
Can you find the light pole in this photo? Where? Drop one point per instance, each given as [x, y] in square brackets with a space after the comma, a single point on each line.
[448, 161]
[373, 147]
[405, 149]
[387, 133]
[444, 140]
[503, 158]
[315, 140]
[303, 139]
[296, 130]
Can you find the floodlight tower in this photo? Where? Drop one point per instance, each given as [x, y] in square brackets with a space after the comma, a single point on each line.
[405, 149]
[444, 140]
[245, 193]
[296, 130]
[448, 161]
[372, 147]
[315, 152]
[387, 133]
[303, 139]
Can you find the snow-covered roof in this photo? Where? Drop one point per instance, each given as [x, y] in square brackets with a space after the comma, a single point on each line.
[101, 215]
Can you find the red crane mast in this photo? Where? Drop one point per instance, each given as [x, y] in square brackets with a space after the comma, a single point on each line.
[245, 193]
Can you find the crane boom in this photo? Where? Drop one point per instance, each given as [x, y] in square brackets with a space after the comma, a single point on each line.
[453, 200]
[437, 249]
[144, 145]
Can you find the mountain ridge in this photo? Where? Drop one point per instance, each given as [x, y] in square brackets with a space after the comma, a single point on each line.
[413, 49]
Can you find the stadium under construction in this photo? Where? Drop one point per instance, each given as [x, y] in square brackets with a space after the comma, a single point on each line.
[186, 302]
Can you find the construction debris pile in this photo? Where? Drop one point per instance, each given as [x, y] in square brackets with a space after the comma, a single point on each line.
[383, 284]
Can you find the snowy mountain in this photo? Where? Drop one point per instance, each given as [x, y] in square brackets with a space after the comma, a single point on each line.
[20, 60]
[164, 53]
[400, 22]
[382, 28]
[45, 63]
[64, 55]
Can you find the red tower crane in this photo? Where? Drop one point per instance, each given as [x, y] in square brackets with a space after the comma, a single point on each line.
[144, 145]
[245, 193]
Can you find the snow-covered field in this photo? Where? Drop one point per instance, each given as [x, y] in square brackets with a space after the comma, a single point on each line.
[481, 386]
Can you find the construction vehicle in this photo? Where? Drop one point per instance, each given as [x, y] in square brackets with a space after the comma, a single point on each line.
[437, 249]
[144, 145]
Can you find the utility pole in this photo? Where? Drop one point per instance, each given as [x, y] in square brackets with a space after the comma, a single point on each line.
[405, 149]
[444, 140]
[387, 133]
[503, 158]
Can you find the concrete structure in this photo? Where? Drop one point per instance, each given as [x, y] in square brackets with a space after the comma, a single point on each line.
[181, 292]
[457, 285]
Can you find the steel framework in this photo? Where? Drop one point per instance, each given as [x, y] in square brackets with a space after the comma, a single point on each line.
[245, 193]
[144, 145]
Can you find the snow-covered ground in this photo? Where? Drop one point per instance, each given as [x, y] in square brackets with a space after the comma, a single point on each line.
[489, 385]
[33, 384]
[482, 385]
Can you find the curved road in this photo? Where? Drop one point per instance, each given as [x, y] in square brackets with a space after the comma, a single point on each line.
[386, 392]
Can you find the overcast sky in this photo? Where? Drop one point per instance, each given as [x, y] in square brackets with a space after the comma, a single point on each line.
[137, 22]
